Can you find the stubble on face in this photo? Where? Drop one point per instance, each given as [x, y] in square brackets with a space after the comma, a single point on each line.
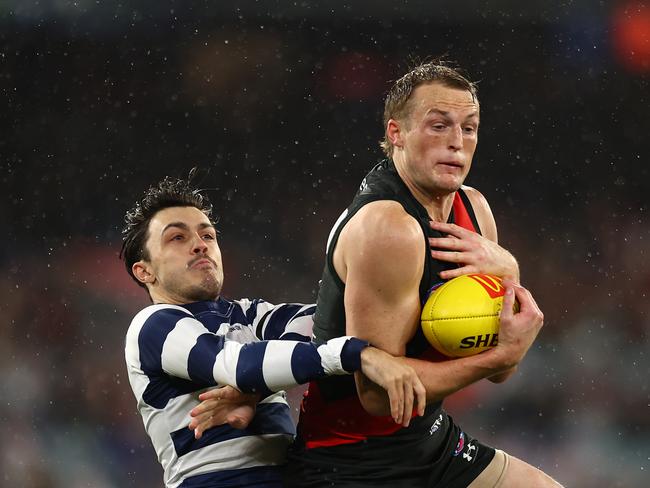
[207, 288]
[184, 256]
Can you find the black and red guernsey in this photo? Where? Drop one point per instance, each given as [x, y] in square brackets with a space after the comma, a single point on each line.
[338, 441]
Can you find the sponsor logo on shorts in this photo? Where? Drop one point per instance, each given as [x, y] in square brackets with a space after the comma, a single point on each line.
[470, 454]
[470, 449]
[436, 425]
[461, 444]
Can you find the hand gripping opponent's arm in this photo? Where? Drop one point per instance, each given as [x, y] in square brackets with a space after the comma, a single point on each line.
[291, 321]
[168, 339]
[396, 378]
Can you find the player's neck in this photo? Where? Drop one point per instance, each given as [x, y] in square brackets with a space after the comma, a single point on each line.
[437, 205]
[159, 295]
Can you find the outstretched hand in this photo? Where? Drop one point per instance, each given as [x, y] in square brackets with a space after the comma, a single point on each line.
[400, 381]
[472, 252]
[220, 406]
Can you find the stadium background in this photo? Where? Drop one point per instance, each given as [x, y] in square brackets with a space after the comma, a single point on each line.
[282, 103]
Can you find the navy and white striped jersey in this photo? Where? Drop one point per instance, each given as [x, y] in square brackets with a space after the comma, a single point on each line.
[173, 353]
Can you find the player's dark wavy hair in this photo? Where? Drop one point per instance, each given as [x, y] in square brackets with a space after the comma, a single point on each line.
[396, 105]
[170, 192]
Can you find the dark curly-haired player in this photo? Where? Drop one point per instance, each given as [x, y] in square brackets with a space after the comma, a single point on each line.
[192, 339]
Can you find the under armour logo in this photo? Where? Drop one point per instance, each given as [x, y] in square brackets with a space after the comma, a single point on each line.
[466, 455]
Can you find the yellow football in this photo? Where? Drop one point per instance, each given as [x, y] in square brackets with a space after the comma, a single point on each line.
[461, 317]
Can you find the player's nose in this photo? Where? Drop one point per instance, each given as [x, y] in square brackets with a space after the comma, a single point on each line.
[455, 138]
[198, 245]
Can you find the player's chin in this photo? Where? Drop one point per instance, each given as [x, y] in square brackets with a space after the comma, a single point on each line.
[450, 182]
[207, 289]
[450, 185]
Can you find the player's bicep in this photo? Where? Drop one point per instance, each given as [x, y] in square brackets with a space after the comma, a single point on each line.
[384, 260]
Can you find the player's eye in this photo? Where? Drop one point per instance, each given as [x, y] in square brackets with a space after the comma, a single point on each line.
[469, 129]
[210, 237]
[177, 237]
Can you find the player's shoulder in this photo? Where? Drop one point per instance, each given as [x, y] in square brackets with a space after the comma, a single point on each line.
[160, 310]
[156, 314]
[475, 197]
[151, 324]
[482, 211]
[383, 232]
[388, 221]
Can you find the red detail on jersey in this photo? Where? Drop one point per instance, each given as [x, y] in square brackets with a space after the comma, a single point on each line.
[344, 421]
[461, 216]
[491, 284]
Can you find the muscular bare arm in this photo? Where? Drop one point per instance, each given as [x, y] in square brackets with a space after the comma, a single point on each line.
[380, 255]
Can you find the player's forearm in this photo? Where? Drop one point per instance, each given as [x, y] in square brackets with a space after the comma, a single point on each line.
[440, 379]
[265, 367]
[443, 378]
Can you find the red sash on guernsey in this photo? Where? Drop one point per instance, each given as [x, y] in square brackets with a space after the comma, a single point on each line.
[345, 421]
[461, 216]
[348, 422]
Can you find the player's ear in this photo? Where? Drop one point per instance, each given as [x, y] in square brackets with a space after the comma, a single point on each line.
[394, 133]
[143, 272]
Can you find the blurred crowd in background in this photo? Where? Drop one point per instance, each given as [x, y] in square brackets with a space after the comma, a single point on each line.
[280, 107]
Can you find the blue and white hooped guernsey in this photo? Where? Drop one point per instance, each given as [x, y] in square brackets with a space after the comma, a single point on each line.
[173, 353]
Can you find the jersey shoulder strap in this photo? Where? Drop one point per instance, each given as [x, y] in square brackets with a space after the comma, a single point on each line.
[463, 213]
